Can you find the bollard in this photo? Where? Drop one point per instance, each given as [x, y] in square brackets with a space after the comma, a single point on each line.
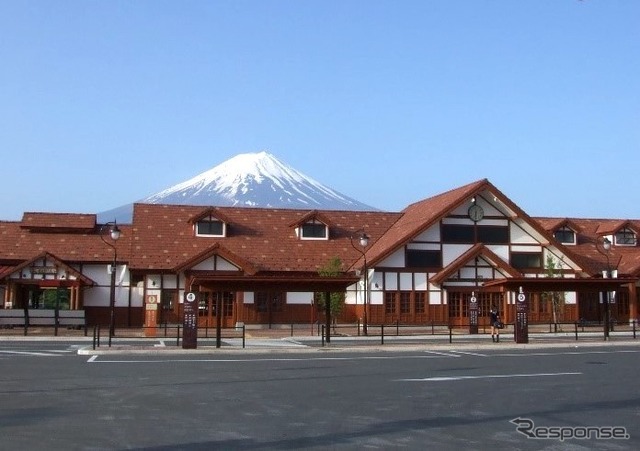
[576, 326]
[323, 335]
[450, 334]
[243, 336]
[634, 329]
[382, 334]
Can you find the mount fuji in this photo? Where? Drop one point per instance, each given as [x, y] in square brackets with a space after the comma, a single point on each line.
[247, 180]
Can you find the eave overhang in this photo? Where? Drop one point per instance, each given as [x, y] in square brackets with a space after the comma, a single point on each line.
[284, 282]
[542, 284]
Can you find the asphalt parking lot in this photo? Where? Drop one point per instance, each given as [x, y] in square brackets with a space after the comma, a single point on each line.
[62, 395]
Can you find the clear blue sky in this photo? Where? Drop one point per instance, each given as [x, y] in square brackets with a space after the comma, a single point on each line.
[105, 102]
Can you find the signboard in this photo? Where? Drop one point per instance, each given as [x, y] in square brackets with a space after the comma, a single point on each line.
[473, 314]
[190, 322]
[44, 270]
[521, 334]
[151, 316]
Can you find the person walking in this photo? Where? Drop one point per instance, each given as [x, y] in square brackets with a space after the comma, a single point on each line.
[495, 323]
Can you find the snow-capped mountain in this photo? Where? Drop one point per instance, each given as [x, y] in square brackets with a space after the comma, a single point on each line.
[247, 180]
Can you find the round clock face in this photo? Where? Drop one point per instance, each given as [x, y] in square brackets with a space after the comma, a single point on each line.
[476, 213]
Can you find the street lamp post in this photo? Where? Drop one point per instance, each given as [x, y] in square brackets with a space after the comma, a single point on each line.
[363, 241]
[604, 248]
[114, 233]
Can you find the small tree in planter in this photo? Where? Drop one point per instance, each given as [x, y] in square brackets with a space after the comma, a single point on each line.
[553, 268]
[336, 300]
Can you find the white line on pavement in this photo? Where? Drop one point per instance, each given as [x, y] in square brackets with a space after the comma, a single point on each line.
[489, 376]
[443, 354]
[439, 355]
[35, 353]
[470, 353]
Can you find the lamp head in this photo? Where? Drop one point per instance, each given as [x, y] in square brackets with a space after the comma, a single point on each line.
[364, 240]
[115, 232]
[606, 244]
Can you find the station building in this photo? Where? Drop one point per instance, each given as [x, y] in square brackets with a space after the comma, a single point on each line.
[262, 266]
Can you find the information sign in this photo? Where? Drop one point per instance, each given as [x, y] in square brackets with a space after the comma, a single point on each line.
[473, 314]
[521, 334]
[190, 322]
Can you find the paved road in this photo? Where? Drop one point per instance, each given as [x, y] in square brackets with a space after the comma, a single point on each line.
[52, 398]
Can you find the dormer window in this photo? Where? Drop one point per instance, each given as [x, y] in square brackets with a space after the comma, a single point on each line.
[210, 226]
[625, 237]
[314, 230]
[565, 235]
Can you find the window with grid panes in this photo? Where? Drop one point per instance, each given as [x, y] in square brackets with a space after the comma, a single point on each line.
[390, 302]
[626, 237]
[405, 302]
[420, 301]
[210, 226]
[314, 230]
[454, 304]
[565, 235]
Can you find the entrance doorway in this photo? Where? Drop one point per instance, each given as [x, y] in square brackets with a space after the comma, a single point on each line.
[207, 314]
[459, 306]
[35, 297]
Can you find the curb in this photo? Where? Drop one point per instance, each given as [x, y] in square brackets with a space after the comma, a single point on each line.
[277, 347]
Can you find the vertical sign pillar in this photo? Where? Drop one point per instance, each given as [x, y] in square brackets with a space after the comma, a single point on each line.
[190, 322]
[522, 318]
[473, 314]
[151, 316]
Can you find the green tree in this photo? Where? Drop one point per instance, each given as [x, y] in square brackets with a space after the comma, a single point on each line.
[553, 268]
[333, 268]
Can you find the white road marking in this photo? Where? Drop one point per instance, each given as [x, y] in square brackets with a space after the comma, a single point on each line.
[563, 353]
[274, 359]
[470, 353]
[443, 354]
[489, 376]
[34, 353]
[432, 355]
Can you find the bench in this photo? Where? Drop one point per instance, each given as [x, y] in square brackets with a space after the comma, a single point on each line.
[43, 318]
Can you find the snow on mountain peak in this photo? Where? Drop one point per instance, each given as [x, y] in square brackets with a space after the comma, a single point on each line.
[251, 180]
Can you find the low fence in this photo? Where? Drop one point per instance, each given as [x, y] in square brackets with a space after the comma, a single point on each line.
[168, 332]
[462, 332]
[72, 323]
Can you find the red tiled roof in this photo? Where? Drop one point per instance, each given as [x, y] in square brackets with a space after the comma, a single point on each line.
[163, 238]
[315, 214]
[58, 222]
[624, 258]
[18, 244]
[553, 224]
[213, 211]
[418, 217]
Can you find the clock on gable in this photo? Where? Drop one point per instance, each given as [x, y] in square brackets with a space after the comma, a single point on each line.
[476, 213]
